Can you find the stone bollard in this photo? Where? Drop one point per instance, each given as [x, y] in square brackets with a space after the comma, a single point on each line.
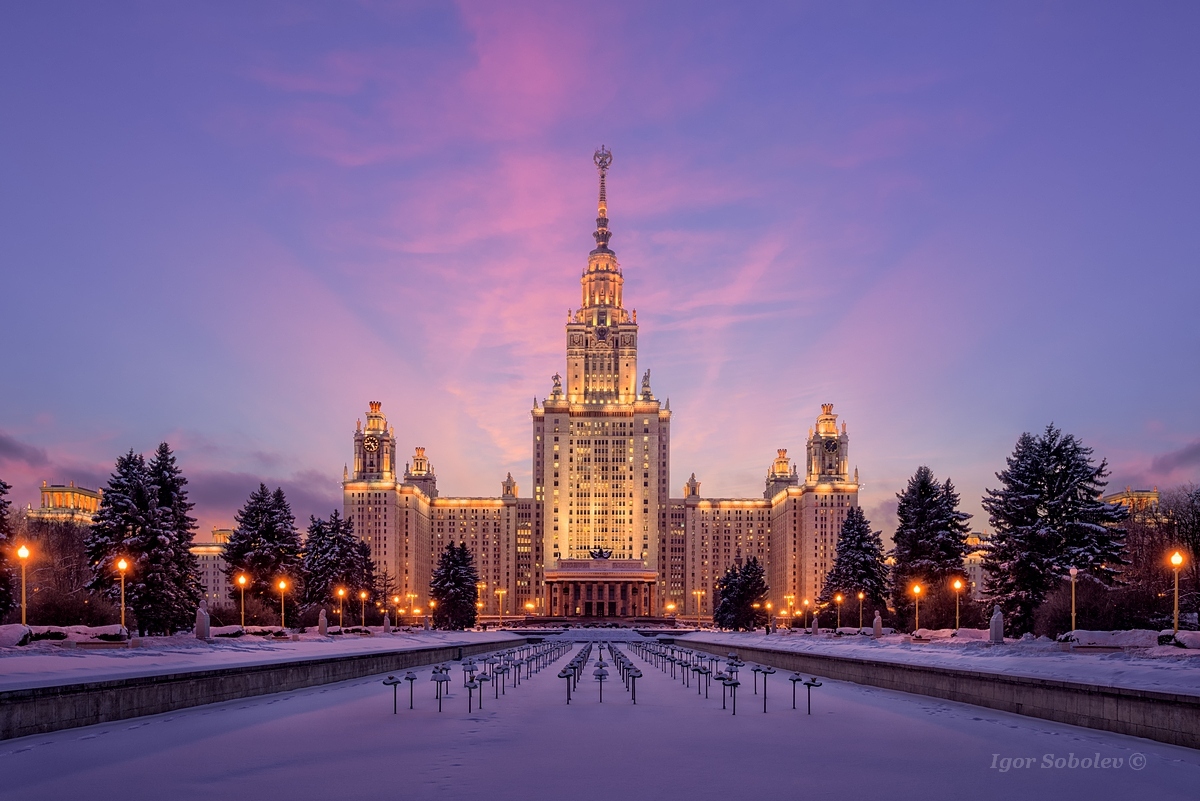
[202, 622]
[996, 627]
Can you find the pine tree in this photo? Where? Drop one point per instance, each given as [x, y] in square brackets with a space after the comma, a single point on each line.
[930, 544]
[454, 589]
[858, 565]
[265, 547]
[186, 587]
[738, 590]
[130, 524]
[1047, 517]
[7, 581]
[333, 558]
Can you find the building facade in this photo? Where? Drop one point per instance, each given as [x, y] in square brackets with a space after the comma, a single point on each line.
[211, 558]
[600, 535]
[66, 503]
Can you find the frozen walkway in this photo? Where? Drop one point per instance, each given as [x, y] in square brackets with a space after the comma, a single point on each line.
[342, 741]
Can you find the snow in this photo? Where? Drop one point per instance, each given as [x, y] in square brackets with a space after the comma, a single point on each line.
[342, 741]
[45, 664]
[1162, 668]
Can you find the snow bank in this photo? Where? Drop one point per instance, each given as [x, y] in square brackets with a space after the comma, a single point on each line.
[972, 634]
[14, 634]
[1165, 668]
[1135, 638]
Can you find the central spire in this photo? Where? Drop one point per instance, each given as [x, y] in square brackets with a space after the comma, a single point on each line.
[603, 158]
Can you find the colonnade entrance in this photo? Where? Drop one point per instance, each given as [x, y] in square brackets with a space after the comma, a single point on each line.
[601, 588]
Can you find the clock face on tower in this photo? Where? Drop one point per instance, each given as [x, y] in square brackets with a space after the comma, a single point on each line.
[831, 446]
[371, 444]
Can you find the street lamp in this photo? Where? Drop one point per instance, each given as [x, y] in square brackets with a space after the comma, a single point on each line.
[1074, 572]
[699, 596]
[396, 603]
[500, 600]
[806, 613]
[917, 594]
[23, 555]
[282, 611]
[529, 607]
[341, 601]
[1176, 562]
[122, 566]
[241, 580]
[362, 597]
[671, 609]
[958, 589]
[860, 602]
[838, 598]
[432, 606]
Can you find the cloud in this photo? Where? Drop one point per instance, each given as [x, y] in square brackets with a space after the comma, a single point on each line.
[13, 450]
[1179, 459]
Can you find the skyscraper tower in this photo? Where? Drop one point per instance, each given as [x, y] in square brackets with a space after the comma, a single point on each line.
[601, 450]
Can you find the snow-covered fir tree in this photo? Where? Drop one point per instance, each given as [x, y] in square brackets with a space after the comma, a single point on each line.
[930, 544]
[738, 590]
[453, 587]
[8, 589]
[130, 524]
[333, 558]
[1047, 517]
[265, 547]
[186, 586]
[858, 566]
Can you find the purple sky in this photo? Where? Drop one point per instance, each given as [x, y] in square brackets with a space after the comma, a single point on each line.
[231, 225]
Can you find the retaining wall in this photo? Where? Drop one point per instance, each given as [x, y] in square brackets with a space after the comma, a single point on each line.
[44, 709]
[1166, 717]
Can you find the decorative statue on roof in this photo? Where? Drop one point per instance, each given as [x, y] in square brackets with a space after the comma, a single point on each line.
[557, 385]
[646, 393]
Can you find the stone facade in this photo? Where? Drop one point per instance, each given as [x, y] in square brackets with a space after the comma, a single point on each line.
[601, 535]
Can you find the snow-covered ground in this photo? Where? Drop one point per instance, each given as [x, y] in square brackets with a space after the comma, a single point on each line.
[45, 664]
[342, 741]
[1162, 668]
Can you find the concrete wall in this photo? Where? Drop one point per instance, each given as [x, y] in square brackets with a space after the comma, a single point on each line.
[44, 709]
[1166, 717]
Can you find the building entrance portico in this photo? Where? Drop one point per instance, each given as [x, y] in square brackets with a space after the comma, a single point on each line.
[601, 588]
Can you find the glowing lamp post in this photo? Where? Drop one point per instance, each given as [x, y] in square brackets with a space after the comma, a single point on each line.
[838, 599]
[341, 600]
[671, 609]
[282, 593]
[1074, 572]
[362, 597]
[23, 555]
[958, 585]
[806, 613]
[396, 603]
[529, 607]
[241, 580]
[917, 595]
[500, 601]
[860, 604]
[122, 566]
[1176, 563]
[699, 597]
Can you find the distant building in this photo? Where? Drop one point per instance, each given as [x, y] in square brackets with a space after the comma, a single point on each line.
[67, 504]
[1138, 502]
[211, 556]
[973, 562]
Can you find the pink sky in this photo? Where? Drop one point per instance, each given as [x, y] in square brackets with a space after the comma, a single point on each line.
[231, 228]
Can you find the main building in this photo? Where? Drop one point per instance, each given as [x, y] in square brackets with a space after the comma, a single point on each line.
[601, 536]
